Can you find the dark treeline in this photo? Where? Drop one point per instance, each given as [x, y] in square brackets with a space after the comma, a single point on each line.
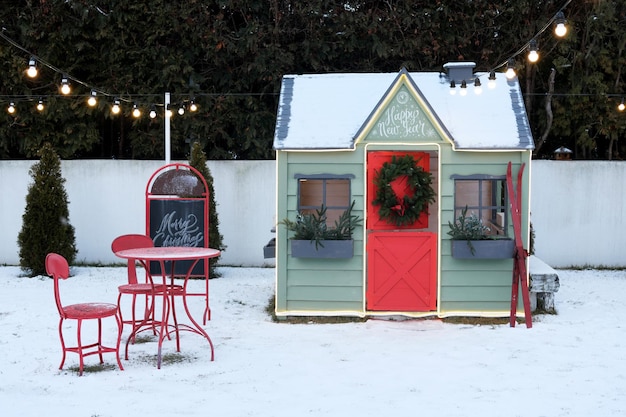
[230, 55]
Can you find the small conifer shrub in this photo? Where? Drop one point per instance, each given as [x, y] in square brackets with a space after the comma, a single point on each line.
[197, 160]
[45, 223]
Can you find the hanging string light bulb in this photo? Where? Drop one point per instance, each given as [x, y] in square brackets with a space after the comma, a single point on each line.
[560, 30]
[181, 109]
[115, 109]
[153, 112]
[510, 69]
[168, 112]
[533, 55]
[40, 105]
[192, 105]
[136, 111]
[65, 85]
[621, 106]
[452, 88]
[11, 109]
[92, 100]
[32, 68]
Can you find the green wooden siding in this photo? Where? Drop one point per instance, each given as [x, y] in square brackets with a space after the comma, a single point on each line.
[310, 284]
[477, 285]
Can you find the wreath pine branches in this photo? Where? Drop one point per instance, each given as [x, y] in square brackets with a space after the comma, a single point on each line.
[403, 210]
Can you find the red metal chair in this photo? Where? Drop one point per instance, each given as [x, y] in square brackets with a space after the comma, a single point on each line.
[134, 288]
[57, 267]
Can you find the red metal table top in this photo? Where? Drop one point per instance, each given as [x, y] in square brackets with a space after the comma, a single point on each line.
[168, 253]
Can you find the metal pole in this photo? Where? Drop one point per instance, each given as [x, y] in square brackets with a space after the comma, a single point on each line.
[168, 143]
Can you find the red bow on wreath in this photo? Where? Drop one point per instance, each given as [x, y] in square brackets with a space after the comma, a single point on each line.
[399, 209]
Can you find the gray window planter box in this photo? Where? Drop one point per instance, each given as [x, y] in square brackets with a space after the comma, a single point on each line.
[269, 250]
[483, 249]
[331, 249]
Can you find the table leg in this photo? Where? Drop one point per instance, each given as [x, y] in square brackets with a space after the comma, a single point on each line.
[172, 300]
[207, 310]
[166, 306]
[198, 329]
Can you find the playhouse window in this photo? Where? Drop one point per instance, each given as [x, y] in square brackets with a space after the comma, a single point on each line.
[332, 191]
[486, 197]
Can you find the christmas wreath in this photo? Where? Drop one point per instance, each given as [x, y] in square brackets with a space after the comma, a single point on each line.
[403, 190]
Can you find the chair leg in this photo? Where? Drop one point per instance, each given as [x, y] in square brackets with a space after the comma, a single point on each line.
[100, 341]
[119, 308]
[62, 343]
[133, 316]
[120, 326]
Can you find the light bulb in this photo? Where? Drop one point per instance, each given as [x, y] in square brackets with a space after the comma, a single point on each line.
[510, 73]
[40, 105]
[452, 88]
[181, 109]
[510, 69]
[533, 55]
[621, 106]
[560, 30]
[32, 68]
[491, 83]
[168, 112]
[92, 101]
[193, 106]
[65, 86]
[115, 109]
[11, 108]
[463, 88]
[478, 87]
[153, 112]
[136, 111]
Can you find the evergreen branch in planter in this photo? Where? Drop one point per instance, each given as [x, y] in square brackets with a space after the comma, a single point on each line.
[313, 226]
[468, 228]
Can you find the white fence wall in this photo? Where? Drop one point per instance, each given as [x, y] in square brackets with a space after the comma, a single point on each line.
[578, 208]
[578, 211]
[107, 199]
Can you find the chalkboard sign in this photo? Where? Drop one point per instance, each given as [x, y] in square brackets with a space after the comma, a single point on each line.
[178, 223]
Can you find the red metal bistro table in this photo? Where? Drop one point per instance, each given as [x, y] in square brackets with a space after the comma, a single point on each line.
[171, 254]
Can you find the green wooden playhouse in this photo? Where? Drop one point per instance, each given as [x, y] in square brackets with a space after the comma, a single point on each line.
[337, 134]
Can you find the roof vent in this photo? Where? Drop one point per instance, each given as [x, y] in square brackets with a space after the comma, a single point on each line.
[460, 71]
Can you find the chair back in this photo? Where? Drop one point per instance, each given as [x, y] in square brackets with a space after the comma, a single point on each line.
[131, 241]
[57, 267]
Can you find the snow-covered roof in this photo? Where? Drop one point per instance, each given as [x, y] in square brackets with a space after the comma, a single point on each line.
[327, 111]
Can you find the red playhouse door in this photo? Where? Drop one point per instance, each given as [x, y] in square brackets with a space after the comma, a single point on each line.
[401, 260]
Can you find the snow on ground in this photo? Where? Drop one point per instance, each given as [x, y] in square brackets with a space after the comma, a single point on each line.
[569, 364]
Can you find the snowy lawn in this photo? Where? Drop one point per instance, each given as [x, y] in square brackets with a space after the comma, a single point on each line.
[569, 364]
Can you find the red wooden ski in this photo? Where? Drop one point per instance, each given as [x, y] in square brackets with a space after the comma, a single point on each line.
[519, 258]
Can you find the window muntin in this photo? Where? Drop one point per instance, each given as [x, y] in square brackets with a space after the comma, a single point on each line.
[331, 191]
[486, 197]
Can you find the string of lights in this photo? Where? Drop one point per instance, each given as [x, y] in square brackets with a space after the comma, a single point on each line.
[188, 102]
[137, 101]
[559, 23]
[560, 30]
